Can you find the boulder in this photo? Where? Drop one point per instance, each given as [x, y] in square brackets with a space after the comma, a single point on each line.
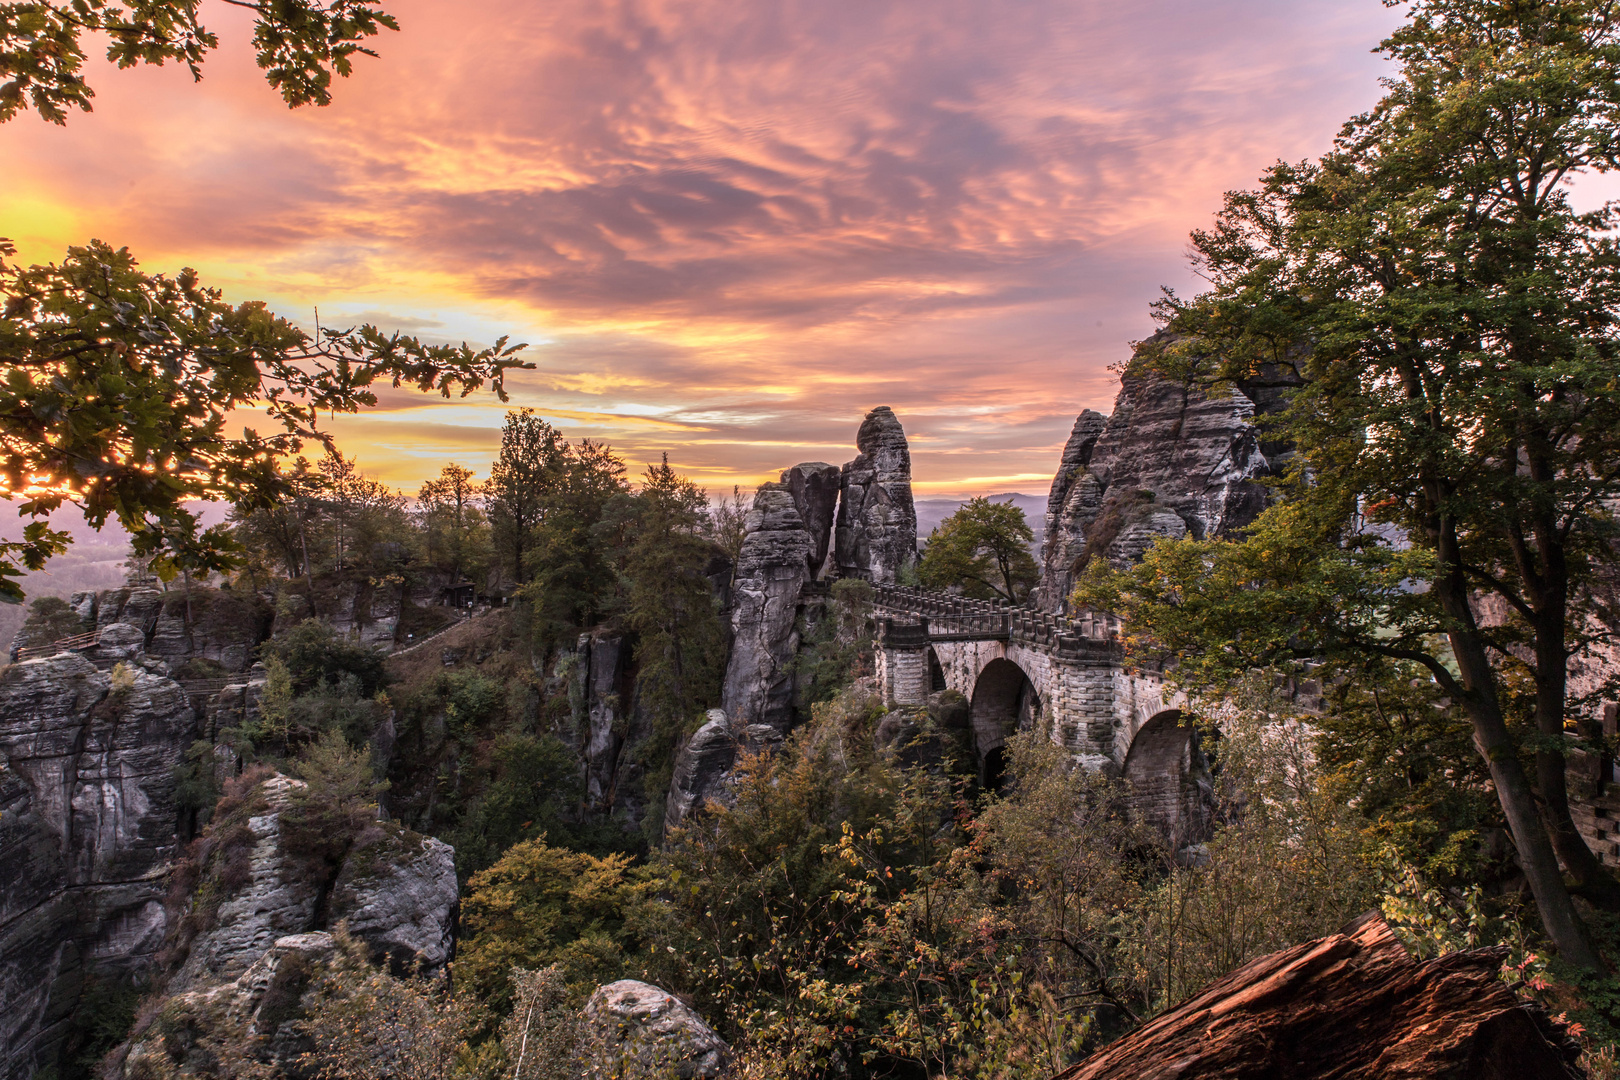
[1353, 1004]
[876, 535]
[398, 893]
[634, 1027]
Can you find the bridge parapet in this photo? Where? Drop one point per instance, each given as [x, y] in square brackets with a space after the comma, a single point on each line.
[961, 618]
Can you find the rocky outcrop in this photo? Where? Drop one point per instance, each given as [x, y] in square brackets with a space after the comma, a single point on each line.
[815, 486]
[221, 626]
[87, 832]
[637, 1029]
[610, 724]
[876, 534]
[254, 1006]
[1353, 1004]
[705, 761]
[1171, 461]
[772, 570]
[396, 890]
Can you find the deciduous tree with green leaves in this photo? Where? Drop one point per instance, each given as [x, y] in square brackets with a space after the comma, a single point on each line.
[983, 549]
[115, 384]
[300, 45]
[1458, 431]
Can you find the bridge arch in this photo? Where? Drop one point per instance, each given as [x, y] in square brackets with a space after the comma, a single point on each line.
[1004, 701]
[1171, 783]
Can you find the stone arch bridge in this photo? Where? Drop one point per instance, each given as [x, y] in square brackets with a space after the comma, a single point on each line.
[1018, 666]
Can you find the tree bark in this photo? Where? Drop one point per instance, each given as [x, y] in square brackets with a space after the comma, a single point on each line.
[1530, 836]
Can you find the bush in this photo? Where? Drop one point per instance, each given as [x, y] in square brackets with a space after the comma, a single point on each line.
[314, 654]
[541, 905]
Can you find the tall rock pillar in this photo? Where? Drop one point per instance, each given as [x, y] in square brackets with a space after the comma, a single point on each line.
[876, 534]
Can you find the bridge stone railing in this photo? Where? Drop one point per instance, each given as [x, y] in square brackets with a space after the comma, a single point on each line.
[958, 617]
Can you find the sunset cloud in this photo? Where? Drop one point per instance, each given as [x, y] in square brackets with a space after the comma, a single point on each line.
[726, 228]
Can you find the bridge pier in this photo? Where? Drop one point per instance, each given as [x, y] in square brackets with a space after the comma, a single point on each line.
[903, 670]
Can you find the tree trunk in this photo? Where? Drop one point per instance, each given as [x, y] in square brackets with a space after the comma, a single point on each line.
[1535, 850]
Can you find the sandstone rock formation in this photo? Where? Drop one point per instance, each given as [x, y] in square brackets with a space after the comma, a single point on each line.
[636, 1022]
[792, 533]
[253, 1005]
[1171, 461]
[1350, 1005]
[706, 759]
[395, 889]
[772, 570]
[87, 830]
[877, 521]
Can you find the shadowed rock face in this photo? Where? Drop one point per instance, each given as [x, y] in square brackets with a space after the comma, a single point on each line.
[87, 830]
[705, 762]
[815, 487]
[1350, 1005]
[877, 520]
[774, 564]
[1170, 462]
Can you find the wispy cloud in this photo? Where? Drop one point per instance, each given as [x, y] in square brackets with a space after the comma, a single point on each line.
[728, 227]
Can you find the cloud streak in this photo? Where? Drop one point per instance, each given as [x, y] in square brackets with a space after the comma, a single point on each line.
[727, 227]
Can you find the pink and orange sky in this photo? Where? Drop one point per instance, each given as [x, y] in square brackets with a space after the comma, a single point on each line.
[726, 227]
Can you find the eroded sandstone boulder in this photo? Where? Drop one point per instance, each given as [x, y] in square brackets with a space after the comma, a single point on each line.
[815, 486]
[877, 520]
[1350, 1005]
[641, 1030]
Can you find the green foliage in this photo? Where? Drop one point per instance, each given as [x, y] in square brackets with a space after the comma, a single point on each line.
[541, 905]
[534, 791]
[314, 653]
[336, 805]
[670, 607]
[982, 549]
[300, 45]
[830, 657]
[118, 385]
[1450, 315]
[50, 619]
[455, 532]
[759, 917]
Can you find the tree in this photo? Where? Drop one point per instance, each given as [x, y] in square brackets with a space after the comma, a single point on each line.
[454, 528]
[117, 385]
[300, 44]
[529, 466]
[670, 607]
[1458, 428]
[983, 549]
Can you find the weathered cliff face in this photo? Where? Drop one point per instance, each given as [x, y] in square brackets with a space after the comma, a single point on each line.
[611, 724]
[87, 831]
[877, 520]
[222, 626]
[772, 569]
[1170, 462]
[815, 487]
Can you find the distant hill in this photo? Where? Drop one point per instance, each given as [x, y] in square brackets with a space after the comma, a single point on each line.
[930, 512]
